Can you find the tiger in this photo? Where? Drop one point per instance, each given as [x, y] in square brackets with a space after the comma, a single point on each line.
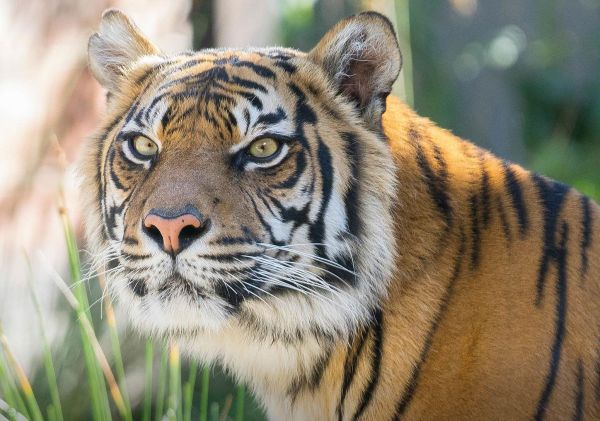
[282, 215]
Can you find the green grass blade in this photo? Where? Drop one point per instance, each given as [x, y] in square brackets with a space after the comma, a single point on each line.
[188, 392]
[9, 412]
[51, 413]
[50, 371]
[214, 411]
[92, 340]
[32, 405]
[97, 387]
[9, 389]
[204, 394]
[119, 367]
[149, 359]
[174, 412]
[240, 396]
[162, 381]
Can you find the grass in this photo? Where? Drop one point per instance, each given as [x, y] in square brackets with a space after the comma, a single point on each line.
[173, 389]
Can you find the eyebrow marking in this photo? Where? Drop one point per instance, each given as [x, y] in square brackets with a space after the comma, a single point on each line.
[271, 118]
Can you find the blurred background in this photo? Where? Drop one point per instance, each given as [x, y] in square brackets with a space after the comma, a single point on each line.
[518, 77]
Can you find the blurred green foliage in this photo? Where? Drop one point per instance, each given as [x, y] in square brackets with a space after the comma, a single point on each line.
[546, 57]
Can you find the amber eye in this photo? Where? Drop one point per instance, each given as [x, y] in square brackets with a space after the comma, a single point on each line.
[263, 148]
[144, 147]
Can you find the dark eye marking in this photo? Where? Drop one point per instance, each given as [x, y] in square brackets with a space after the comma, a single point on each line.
[271, 119]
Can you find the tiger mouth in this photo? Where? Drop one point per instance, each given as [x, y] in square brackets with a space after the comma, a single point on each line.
[177, 284]
[257, 274]
[170, 287]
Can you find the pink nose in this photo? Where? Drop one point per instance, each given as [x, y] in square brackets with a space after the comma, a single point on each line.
[176, 232]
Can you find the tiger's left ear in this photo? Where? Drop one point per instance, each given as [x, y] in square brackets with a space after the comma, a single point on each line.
[361, 56]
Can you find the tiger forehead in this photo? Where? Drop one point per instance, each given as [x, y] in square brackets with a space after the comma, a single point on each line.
[228, 66]
[215, 91]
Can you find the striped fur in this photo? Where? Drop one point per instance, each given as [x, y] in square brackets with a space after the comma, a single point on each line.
[382, 268]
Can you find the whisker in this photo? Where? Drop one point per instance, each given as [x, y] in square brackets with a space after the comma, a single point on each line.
[309, 255]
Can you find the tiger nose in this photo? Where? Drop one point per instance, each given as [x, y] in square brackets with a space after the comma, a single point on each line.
[174, 230]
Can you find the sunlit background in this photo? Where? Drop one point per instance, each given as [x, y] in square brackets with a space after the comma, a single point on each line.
[518, 77]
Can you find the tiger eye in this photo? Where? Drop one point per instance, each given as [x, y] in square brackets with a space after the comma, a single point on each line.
[145, 146]
[263, 148]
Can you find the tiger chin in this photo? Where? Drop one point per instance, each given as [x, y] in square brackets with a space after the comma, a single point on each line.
[280, 214]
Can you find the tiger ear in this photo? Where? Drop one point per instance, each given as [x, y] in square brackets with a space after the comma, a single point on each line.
[361, 56]
[115, 48]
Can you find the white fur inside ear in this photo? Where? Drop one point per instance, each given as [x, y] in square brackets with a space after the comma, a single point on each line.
[117, 47]
[361, 57]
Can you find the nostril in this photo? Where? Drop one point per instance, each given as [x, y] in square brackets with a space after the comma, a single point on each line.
[154, 233]
[190, 233]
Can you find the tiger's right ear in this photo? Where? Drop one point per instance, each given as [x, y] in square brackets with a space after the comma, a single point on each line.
[115, 48]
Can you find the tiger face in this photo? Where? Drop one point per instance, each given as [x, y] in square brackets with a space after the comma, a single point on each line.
[232, 188]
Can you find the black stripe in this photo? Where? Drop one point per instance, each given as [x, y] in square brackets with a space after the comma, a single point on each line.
[475, 231]
[503, 220]
[586, 232]
[138, 286]
[100, 175]
[516, 194]
[316, 230]
[413, 382]
[228, 258]
[262, 221]
[485, 193]
[291, 214]
[340, 276]
[230, 240]
[286, 66]
[174, 285]
[552, 195]
[296, 174]
[248, 84]
[318, 370]
[135, 257]
[579, 397]
[271, 118]
[256, 68]
[113, 175]
[247, 120]
[213, 74]
[231, 120]
[311, 380]
[377, 355]
[130, 241]
[437, 184]
[561, 312]
[350, 366]
[236, 292]
[352, 199]
[252, 99]
[304, 112]
[166, 118]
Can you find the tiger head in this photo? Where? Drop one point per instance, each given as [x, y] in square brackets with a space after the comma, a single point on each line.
[248, 189]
